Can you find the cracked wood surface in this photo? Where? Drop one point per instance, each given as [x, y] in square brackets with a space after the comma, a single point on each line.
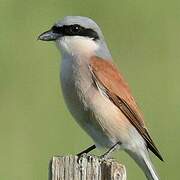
[85, 167]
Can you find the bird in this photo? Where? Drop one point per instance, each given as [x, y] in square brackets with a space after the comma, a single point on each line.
[96, 93]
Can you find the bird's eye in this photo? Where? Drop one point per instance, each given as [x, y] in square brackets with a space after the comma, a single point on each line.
[74, 29]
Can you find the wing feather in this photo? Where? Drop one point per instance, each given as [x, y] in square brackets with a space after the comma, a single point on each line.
[106, 75]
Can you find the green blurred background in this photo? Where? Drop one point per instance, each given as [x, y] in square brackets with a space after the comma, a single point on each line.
[144, 38]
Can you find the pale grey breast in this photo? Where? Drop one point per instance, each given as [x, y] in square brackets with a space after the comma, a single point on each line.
[78, 90]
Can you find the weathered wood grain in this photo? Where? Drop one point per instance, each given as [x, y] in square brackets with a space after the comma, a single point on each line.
[86, 167]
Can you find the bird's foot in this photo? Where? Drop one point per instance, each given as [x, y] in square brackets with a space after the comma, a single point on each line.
[107, 154]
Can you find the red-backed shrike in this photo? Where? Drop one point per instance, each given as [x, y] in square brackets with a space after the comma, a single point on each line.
[96, 93]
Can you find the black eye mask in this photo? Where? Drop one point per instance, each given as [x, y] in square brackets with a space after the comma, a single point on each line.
[75, 30]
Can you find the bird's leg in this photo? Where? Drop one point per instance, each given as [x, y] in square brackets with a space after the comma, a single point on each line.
[87, 150]
[106, 155]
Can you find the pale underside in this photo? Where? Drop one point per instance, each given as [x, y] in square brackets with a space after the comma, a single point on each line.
[95, 113]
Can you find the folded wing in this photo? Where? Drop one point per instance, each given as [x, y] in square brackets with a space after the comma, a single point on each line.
[106, 76]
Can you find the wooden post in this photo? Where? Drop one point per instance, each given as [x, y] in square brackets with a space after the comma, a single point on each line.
[85, 167]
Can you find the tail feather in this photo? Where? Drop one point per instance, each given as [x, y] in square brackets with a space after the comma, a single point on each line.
[144, 162]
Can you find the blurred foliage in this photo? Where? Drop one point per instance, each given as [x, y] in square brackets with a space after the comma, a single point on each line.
[144, 38]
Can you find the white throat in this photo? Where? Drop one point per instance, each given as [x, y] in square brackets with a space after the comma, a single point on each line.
[77, 46]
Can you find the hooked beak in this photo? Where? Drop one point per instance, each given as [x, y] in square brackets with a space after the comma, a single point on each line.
[49, 36]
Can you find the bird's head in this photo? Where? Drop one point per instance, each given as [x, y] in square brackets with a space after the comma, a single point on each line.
[75, 35]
